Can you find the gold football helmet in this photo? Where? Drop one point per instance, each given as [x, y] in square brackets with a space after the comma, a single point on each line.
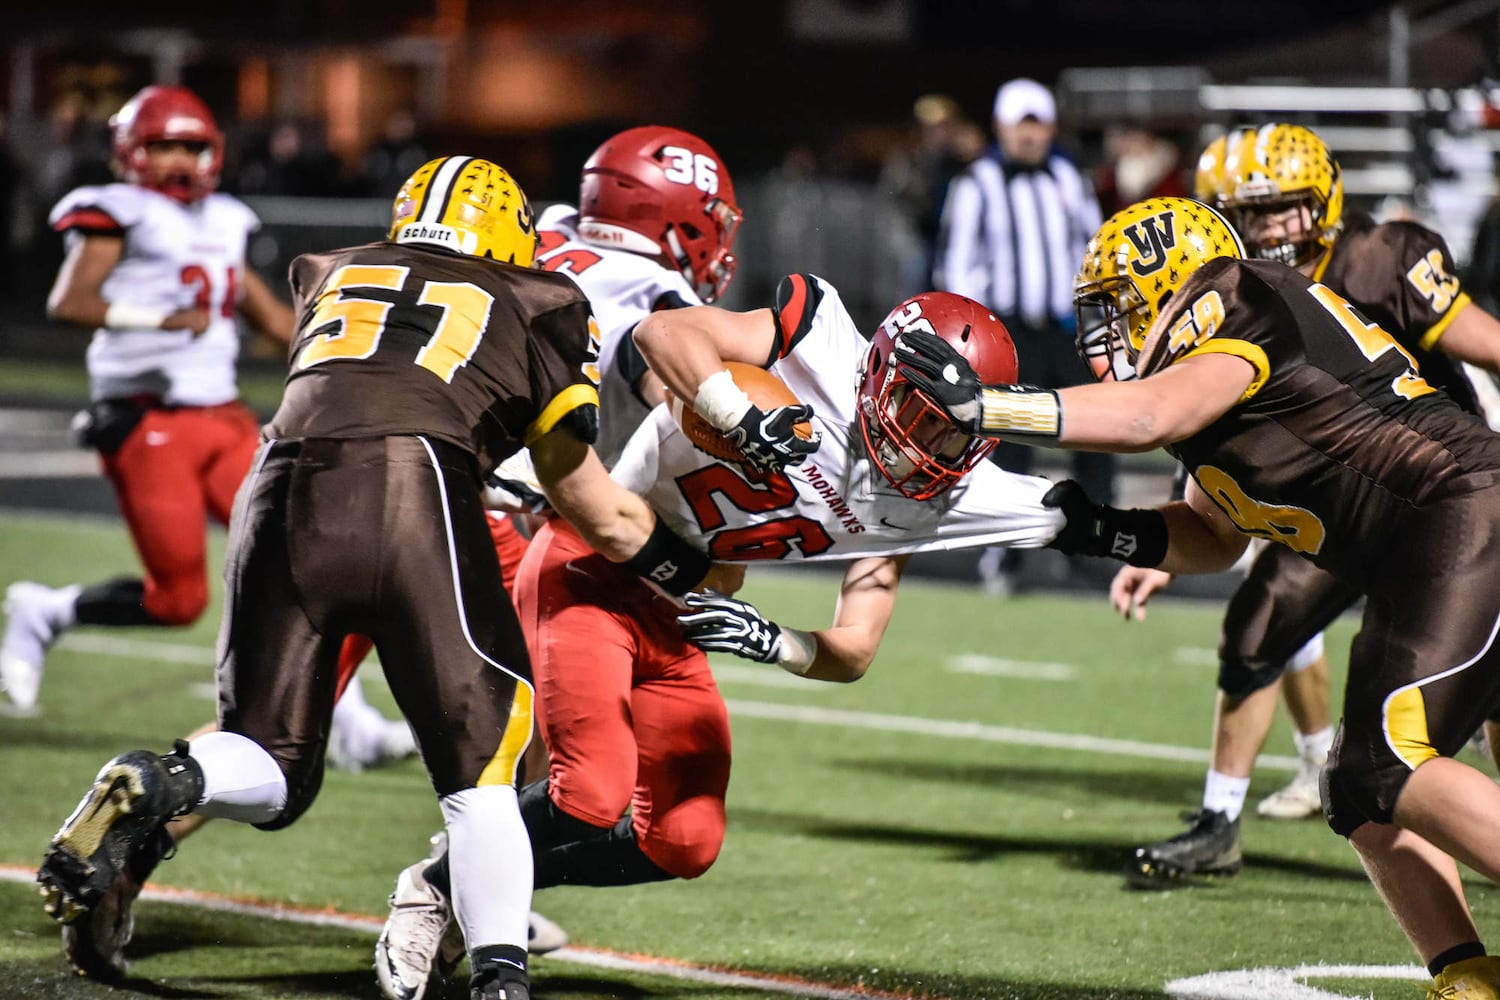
[1208, 178]
[469, 205]
[1133, 266]
[1277, 170]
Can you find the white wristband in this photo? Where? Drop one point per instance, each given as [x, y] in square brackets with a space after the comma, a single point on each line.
[721, 402]
[797, 652]
[134, 316]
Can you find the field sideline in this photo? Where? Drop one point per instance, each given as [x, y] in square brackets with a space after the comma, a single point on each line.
[954, 825]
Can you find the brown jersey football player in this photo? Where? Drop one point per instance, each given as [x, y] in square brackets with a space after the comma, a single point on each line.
[1303, 423]
[1282, 189]
[419, 363]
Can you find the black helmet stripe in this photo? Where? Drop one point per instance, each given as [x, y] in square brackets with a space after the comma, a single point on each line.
[435, 202]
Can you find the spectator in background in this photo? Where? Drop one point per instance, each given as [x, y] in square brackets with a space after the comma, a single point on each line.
[1139, 164]
[916, 175]
[1013, 228]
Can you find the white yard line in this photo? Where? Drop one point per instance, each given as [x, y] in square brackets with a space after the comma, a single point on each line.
[995, 666]
[596, 957]
[734, 674]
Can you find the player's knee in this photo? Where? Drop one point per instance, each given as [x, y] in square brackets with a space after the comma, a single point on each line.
[686, 842]
[686, 859]
[1354, 795]
[177, 601]
[1242, 676]
[303, 781]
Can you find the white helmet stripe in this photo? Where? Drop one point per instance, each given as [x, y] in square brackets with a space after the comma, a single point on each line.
[441, 188]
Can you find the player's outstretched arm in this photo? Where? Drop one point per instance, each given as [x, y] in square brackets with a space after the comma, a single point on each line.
[617, 523]
[840, 653]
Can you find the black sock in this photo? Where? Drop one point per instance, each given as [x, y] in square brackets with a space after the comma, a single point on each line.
[1459, 952]
[613, 859]
[114, 602]
[504, 962]
[438, 877]
[548, 826]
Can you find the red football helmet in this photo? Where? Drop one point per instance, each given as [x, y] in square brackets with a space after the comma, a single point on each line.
[912, 440]
[167, 114]
[664, 192]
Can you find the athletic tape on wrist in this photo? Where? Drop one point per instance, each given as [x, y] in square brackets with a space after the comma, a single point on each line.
[134, 316]
[721, 402]
[797, 652]
[1030, 413]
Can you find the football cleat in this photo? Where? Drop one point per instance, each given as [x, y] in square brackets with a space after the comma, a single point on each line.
[1300, 799]
[35, 616]
[95, 944]
[412, 936]
[133, 797]
[543, 935]
[1471, 979]
[1209, 847]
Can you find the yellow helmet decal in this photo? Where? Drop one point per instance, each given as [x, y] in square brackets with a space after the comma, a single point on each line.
[469, 205]
[1143, 254]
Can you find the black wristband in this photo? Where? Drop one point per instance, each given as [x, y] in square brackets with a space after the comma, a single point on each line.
[1137, 536]
[668, 561]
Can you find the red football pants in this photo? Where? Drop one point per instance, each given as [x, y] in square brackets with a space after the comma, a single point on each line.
[628, 708]
[177, 469]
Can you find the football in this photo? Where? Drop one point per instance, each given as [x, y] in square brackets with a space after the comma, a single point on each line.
[765, 390]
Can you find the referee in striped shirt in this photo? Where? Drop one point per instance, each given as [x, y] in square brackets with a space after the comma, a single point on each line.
[1014, 228]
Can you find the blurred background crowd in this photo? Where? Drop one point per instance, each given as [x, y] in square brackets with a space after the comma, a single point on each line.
[842, 120]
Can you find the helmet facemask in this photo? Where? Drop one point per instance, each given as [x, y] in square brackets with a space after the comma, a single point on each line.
[1300, 234]
[912, 440]
[712, 276]
[1113, 320]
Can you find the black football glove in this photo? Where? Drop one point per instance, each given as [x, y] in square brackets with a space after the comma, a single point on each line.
[941, 374]
[767, 440]
[721, 624]
[1137, 536]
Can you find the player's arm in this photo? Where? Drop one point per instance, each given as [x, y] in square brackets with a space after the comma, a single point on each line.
[617, 523]
[265, 311]
[1137, 415]
[687, 348]
[1184, 536]
[76, 296]
[1473, 336]
[841, 653]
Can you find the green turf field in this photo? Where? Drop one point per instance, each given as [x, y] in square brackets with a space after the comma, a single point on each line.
[925, 831]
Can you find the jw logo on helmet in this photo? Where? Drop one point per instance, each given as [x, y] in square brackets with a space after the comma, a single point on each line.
[1152, 237]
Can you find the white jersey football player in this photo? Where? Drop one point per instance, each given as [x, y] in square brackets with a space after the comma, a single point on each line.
[893, 475]
[654, 229]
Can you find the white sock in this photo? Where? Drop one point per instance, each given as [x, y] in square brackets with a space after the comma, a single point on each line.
[1313, 748]
[241, 781]
[489, 862]
[1224, 794]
